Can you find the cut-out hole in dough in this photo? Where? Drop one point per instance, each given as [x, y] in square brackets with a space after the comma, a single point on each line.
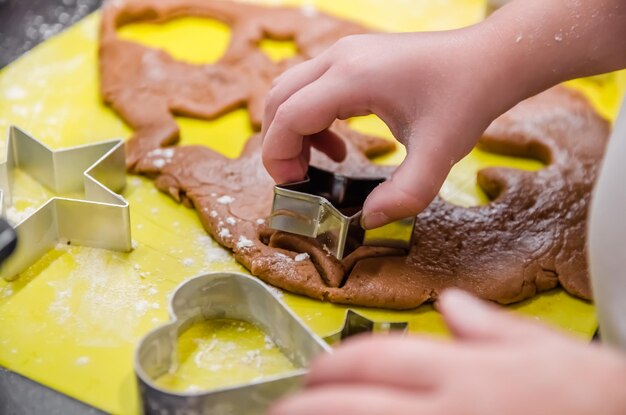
[278, 50]
[227, 134]
[461, 188]
[373, 125]
[223, 352]
[190, 39]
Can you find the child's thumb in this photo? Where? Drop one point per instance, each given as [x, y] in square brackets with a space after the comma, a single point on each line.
[411, 188]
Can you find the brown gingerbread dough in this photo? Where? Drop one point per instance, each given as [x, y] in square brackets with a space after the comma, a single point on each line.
[147, 87]
[530, 238]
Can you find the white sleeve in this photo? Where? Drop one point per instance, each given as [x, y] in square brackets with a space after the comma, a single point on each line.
[607, 238]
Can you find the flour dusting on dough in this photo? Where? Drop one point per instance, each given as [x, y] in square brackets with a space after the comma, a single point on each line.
[244, 242]
[301, 257]
[226, 200]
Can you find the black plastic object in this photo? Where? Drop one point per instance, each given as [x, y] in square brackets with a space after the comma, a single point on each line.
[8, 240]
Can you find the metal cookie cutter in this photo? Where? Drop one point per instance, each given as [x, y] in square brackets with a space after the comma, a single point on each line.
[102, 220]
[223, 295]
[355, 323]
[327, 206]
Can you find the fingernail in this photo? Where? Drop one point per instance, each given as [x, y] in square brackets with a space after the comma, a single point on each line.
[374, 220]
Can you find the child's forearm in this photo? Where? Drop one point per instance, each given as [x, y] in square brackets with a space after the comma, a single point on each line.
[540, 43]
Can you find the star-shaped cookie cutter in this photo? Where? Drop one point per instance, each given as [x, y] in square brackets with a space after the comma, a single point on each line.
[101, 220]
[327, 206]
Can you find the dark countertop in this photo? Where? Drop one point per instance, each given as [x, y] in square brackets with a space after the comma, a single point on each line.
[21, 396]
[26, 23]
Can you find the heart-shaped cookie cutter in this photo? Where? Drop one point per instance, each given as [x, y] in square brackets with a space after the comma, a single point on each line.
[216, 296]
[327, 206]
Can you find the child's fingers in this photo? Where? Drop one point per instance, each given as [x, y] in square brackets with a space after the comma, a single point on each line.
[330, 144]
[409, 362]
[471, 319]
[356, 400]
[289, 83]
[309, 111]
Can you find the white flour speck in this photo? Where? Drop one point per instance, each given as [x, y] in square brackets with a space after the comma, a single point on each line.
[260, 221]
[20, 110]
[8, 291]
[142, 306]
[14, 93]
[135, 182]
[62, 244]
[244, 242]
[212, 251]
[225, 200]
[301, 257]
[252, 357]
[213, 214]
[17, 216]
[82, 361]
[224, 233]
[158, 163]
[269, 344]
[230, 220]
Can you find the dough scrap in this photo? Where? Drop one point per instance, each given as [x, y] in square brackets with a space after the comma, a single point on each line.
[529, 238]
[147, 87]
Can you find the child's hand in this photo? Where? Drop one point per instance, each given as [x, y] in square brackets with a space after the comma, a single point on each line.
[498, 364]
[437, 91]
[433, 90]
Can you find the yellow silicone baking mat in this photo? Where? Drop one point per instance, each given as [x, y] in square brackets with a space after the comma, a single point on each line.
[72, 320]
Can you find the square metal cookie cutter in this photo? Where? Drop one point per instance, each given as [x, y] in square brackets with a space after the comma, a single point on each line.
[102, 220]
[327, 206]
[233, 296]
